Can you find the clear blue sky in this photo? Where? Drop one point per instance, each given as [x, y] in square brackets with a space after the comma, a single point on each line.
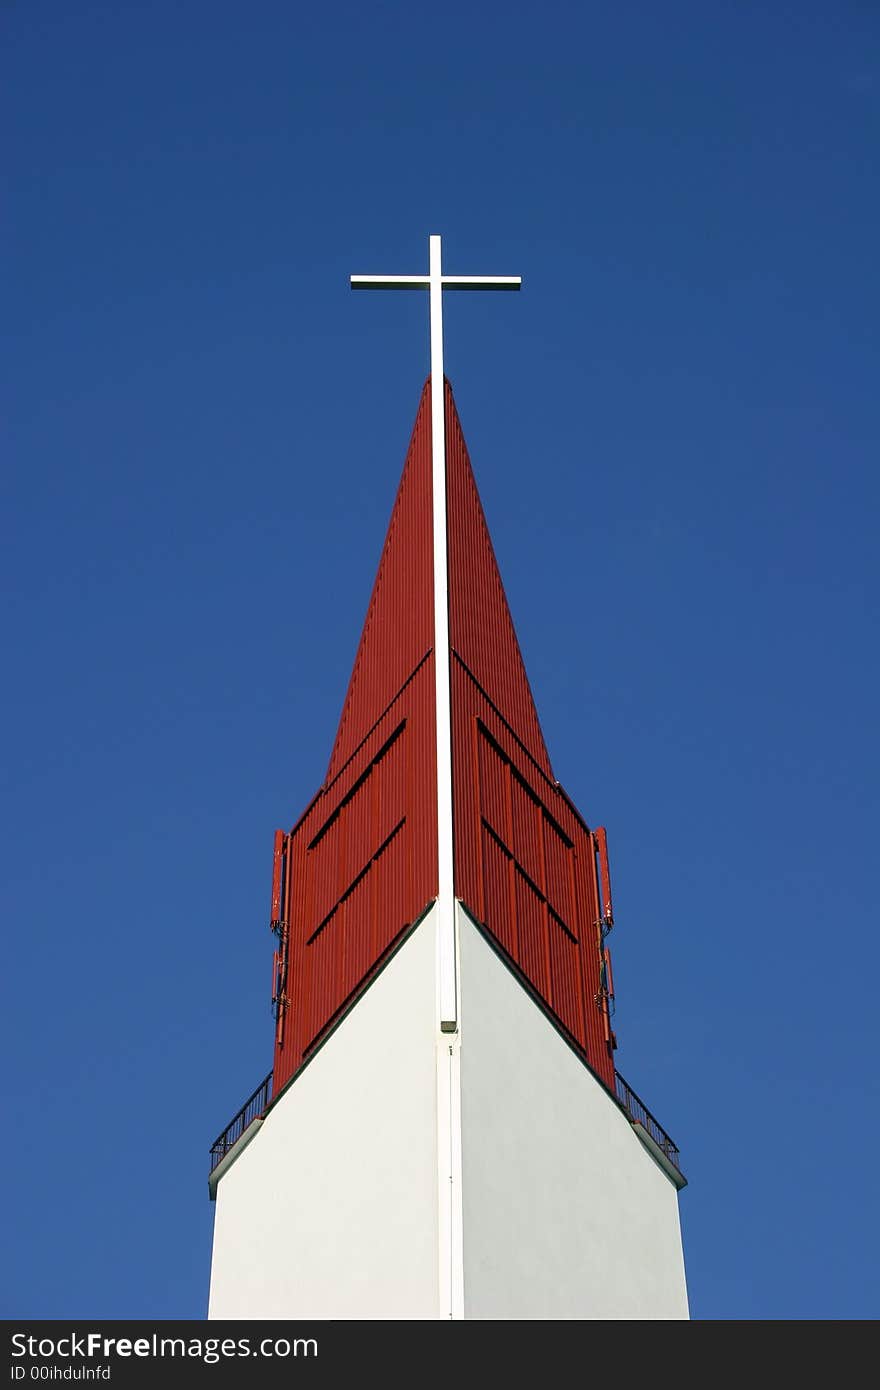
[675, 431]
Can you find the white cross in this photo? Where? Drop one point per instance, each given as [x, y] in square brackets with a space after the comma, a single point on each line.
[436, 282]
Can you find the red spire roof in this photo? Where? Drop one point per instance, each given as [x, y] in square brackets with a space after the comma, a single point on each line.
[399, 626]
[360, 867]
[481, 631]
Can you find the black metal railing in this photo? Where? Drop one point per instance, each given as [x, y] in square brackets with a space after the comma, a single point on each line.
[637, 1110]
[250, 1111]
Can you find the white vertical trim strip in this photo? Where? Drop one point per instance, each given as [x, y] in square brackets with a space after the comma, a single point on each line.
[445, 1238]
[448, 1056]
[450, 1215]
[456, 1223]
[450, 1271]
[446, 899]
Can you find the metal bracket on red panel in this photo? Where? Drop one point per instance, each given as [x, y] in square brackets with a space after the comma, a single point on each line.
[607, 980]
[600, 844]
[278, 924]
[282, 1004]
[278, 857]
[604, 923]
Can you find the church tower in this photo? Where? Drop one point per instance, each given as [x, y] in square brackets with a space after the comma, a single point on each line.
[443, 1133]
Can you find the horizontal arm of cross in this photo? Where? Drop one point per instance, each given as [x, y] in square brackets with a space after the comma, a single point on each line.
[423, 282]
[390, 282]
[481, 282]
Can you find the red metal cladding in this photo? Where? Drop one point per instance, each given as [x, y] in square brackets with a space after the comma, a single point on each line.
[481, 629]
[525, 863]
[361, 863]
[399, 626]
[525, 868]
[360, 866]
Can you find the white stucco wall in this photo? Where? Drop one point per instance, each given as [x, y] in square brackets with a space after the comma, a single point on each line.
[565, 1214]
[331, 1211]
[558, 1211]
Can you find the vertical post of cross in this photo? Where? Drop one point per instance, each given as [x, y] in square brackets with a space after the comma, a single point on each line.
[447, 985]
[436, 282]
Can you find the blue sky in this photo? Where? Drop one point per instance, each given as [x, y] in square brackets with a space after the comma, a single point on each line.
[675, 432]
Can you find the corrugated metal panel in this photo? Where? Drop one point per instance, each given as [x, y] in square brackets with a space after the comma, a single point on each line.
[480, 626]
[361, 863]
[525, 867]
[524, 858]
[363, 866]
[362, 860]
[399, 625]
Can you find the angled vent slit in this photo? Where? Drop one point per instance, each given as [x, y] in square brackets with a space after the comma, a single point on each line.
[357, 785]
[376, 722]
[358, 878]
[528, 880]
